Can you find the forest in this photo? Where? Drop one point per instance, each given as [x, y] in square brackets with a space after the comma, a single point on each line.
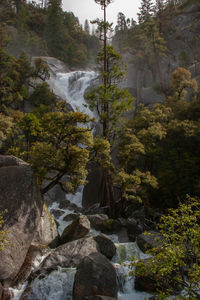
[146, 151]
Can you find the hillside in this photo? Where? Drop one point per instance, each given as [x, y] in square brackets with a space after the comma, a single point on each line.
[46, 31]
[153, 51]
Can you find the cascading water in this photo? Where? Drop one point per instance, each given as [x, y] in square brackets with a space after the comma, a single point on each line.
[58, 285]
[72, 86]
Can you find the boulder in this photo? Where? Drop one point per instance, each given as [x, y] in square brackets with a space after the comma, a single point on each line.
[27, 266]
[97, 221]
[57, 213]
[56, 194]
[111, 225]
[149, 240]
[70, 217]
[47, 233]
[95, 276]
[79, 228]
[106, 246]
[133, 228]
[96, 209]
[67, 255]
[21, 197]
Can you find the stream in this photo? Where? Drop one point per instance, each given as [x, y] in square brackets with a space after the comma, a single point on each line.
[58, 285]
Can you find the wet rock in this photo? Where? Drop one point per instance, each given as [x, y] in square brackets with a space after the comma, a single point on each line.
[111, 225]
[79, 228]
[123, 222]
[56, 194]
[57, 213]
[64, 204]
[97, 221]
[47, 233]
[106, 246]
[66, 256]
[96, 209]
[70, 217]
[25, 295]
[133, 229]
[148, 241]
[21, 197]
[6, 294]
[95, 276]
[25, 270]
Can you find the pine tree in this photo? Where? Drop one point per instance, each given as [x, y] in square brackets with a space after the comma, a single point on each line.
[145, 10]
[110, 102]
[54, 31]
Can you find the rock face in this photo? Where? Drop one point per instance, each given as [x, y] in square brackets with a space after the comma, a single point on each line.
[67, 255]
[106, 246]
[91, 191]
[148, 241]
[142, 79]
[47, 233]
[95, 276]
[97, 221]
[79, 228]
[21, 198]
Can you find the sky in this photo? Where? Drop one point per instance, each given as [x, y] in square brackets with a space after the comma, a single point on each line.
[88, 9]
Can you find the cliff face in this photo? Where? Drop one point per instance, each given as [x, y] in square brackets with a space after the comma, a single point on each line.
[21, 198]
[183, 43]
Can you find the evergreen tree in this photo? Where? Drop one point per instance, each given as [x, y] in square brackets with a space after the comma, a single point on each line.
[54, 30]
[145, 10]
[110, 102]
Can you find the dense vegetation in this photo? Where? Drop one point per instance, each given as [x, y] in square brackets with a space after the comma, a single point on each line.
[157, 152]
[39, 29]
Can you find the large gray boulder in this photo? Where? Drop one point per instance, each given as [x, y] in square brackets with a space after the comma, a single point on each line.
[21, 198]
[95, 276]
[67, 255]
[149, 240]
[47, 233]
[97, 221]
[79, 228]
[106, 246]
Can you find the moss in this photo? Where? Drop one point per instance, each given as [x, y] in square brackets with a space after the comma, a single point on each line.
[52, 222]
[109, 224]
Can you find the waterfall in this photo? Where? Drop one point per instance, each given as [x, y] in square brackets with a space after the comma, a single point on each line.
[58, 284]
[122, 260]
[72, 86]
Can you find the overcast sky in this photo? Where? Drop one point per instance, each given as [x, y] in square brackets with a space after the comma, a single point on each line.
[88, 9]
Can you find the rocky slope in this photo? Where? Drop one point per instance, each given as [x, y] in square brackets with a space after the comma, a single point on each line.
[183, 43]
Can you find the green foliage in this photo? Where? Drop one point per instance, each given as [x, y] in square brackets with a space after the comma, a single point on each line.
[43, 31]
[3, 233]
[164, 141]
[17, 77]
[175, 263]
[42, 95]
[110, 101]
[6, 125]
[55, 146]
